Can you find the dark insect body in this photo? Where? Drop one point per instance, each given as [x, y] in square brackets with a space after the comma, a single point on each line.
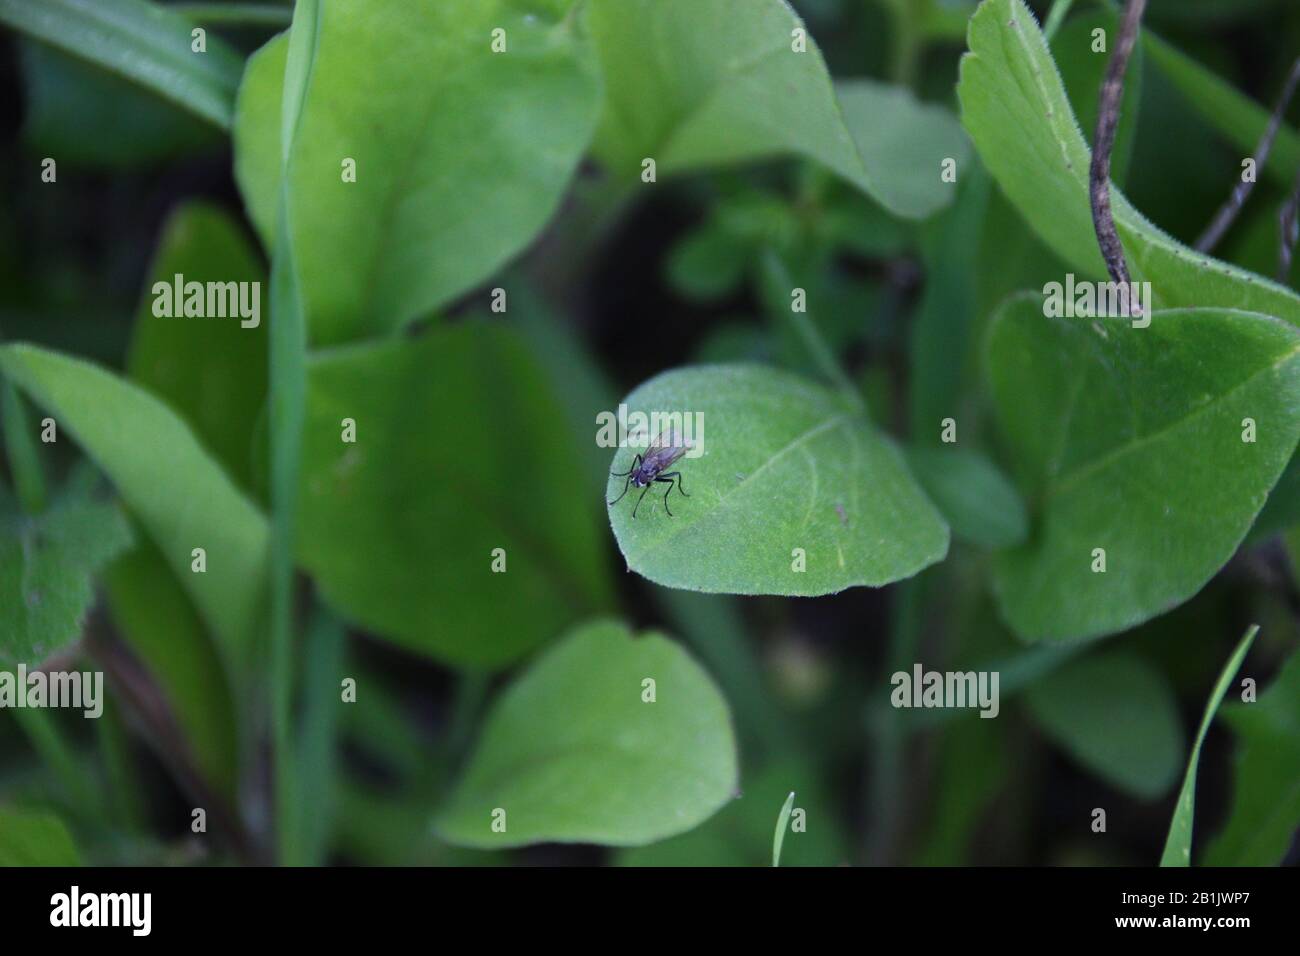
[648, 469]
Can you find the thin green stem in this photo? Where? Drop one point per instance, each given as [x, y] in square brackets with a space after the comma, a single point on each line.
[288, 385]
[885, 786]
[20, 446]
[54, 750]
[467, 705]
[779, 282]
[908, 40]
[236, 14]
[1055, 17]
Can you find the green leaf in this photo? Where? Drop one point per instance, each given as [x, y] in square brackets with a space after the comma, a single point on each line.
[461, 448]
[785, 466]
[181, 496]
[1178, 844]
[455, 174]
[904, 143]
[1116, 715]
[740, 834]
[35, 838]
[158, 620]
[695, 84]
[211, 371]
[708, 263]
[142, 42]
[48, 562]
[782, 821]
[978, 502]
[1237, 117]
[573, 753]
[1282, 510]
[1016, 111]
[1266, 776]
[1130, 440]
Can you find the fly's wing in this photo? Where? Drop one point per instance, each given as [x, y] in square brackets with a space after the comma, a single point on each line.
[666, 448]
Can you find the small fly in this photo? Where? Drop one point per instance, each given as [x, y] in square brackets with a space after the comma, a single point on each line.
[667, 447]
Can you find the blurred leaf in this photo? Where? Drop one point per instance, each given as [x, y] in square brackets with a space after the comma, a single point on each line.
[85, 116]
[158, 620]
[48, 562]
[211, 371]
[35, 838]
[1016, 111]
[1236, 116]
[740, 834]
[1266, 776]
[1178, 845]
[454, 174]
[785, 465]
[142, 42]
[973, 765]
[945, 319]
[1116, 715]
[975, 498]
[573, 754]
[1130, 440]
[461, 448]
[701, 83]
[904, 143]
[708, 263]
[167, 479]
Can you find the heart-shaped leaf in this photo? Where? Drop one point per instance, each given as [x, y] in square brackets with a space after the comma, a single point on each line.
[693, 84]
[453, 524]
[608, 738]
[1116, 715]
[791, 491]
[459, 159]
[1135, 443]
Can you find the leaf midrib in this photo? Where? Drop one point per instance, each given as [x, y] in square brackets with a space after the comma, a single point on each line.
[797, 442]
[1063, 484]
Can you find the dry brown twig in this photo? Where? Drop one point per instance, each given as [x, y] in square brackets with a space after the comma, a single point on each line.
[1241, 191]
[1112, 91]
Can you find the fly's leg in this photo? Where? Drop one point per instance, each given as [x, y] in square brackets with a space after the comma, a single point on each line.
[638, 501]
[678, 476]
[636, 463]
[668, 480]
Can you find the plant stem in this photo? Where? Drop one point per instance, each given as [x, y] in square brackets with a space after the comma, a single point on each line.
[1112, 91]
[1060, 10]
[236, 14]
[1241, 191]
[48, 741]
[906, 46]
[288, 347]
[24, 460]
[779, 281]
[885, 785]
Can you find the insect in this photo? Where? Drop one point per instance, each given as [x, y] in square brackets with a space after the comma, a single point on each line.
[647, 469]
